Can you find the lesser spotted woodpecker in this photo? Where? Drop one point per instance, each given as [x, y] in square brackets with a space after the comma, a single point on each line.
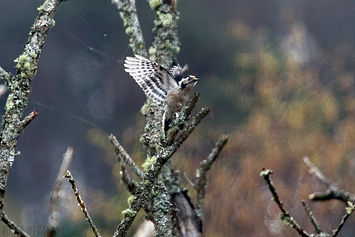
[167, 87]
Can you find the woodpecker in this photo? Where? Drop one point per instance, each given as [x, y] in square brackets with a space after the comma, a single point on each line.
[168, 88]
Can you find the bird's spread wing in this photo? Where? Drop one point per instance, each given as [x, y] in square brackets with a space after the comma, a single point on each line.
[155, 81]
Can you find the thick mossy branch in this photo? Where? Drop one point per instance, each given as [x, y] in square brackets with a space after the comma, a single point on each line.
[160, 180]
[19, 87]
[128, 13]
[161, 210]
[145, 187]
[166, 42]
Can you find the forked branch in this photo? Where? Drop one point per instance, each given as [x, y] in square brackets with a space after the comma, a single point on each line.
[332, 190]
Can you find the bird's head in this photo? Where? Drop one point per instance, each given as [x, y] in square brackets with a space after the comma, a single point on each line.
[188, 82]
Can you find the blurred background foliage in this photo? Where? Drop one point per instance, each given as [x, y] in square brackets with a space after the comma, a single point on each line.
[277, 75]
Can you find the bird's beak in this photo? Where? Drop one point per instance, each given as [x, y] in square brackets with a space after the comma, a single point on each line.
[194, 80]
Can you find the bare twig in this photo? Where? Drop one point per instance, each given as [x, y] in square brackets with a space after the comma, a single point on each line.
[333, 192]
[124, 158]
[189, 180]
[285, 215]
[82, 204]
[289, 220]
[15, 229]
[54, 219]
[311, 217]
[349, 211]
[314, 170]
[201, 174]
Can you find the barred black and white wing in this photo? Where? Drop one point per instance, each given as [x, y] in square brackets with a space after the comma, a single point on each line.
[155, 81]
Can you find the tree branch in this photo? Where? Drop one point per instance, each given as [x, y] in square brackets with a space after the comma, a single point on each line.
[82, 204]
[201, 174]
[19, 87]
[124, 158]
[290, 221]
[312, 217]
[190, 104]
[315, 171]
[128, 13]
[166, 43]
[130, 184]
[23, 124]
[4, 75]
[333, 192]
[190, 225]
[180, 122]
[349, 211]
[146, 184]
[15, 229]
[286, 217]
